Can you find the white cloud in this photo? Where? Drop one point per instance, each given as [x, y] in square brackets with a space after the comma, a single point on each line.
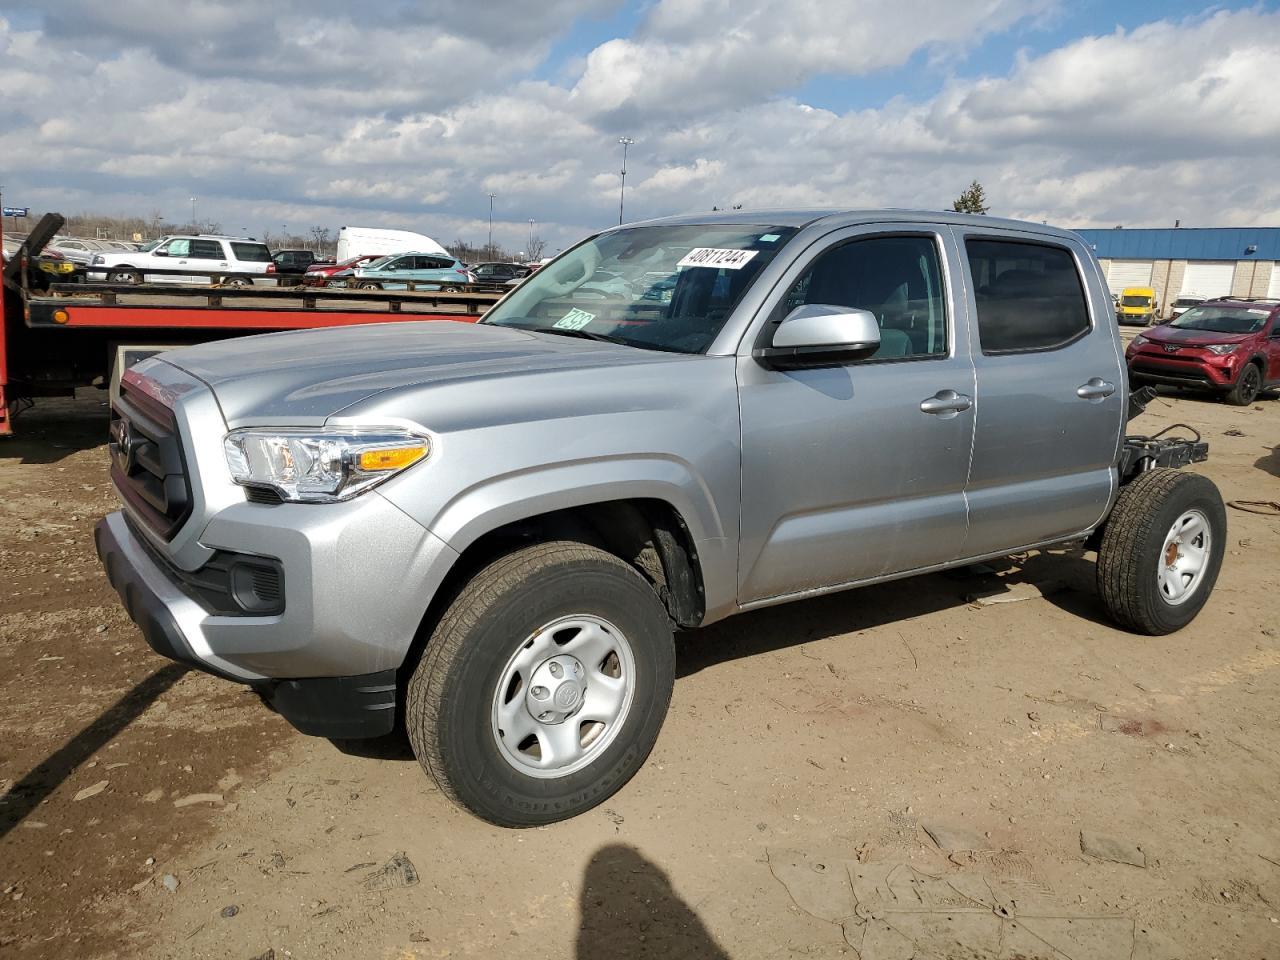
[412, 124]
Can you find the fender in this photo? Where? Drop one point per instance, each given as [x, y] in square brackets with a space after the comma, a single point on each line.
[507, 498]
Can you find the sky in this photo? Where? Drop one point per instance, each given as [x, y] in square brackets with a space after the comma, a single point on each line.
[319, 113]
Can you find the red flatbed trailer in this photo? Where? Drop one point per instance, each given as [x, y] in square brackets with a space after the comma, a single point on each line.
[56, 339]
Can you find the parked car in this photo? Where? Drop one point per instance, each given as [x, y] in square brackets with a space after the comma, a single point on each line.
[1231, 346]
[75, 249]
[490, 532]
[499, 272]
[320, 274]
[236, 255]
[432, 270]
[1138, 305]
[1183, 304]
[293, 261]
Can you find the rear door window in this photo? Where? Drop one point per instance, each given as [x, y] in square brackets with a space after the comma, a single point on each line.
[251, 252]
[1029, 295]
[206, 250]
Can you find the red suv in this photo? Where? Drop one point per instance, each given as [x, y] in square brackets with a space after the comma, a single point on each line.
[1231, 345]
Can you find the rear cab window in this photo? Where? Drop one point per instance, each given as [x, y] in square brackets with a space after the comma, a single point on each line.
[1029, 296]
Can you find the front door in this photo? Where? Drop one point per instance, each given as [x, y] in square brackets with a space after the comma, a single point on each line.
[857, 471]
[1051, 397]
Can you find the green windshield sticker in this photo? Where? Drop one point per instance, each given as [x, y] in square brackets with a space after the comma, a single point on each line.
[575, 319]
[769, 238]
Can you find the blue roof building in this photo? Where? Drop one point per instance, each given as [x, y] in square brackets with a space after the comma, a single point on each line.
[1190, 262]
[1186, 243]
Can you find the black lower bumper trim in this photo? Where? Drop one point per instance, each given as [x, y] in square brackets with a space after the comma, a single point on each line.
[339, 707]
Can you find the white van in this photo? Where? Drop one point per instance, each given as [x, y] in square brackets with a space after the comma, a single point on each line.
[358, 241]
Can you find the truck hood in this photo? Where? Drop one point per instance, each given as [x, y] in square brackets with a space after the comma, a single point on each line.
[302, 377]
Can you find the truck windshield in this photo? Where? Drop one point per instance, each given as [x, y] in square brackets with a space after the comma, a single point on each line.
[659, 288]
[1136, 301]
[1221, 319]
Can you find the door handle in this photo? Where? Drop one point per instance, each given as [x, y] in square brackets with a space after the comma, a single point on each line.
[946, 404]
[1095, 389]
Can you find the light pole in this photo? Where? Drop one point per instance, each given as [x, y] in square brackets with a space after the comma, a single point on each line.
[529, 249]
[193, 215]
[491, 198]
[622, 195]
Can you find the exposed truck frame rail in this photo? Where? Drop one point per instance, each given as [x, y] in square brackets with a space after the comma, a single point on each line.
[55, 338]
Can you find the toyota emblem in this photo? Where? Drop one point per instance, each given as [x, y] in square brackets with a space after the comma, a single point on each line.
[124, 440]
[1170, 348]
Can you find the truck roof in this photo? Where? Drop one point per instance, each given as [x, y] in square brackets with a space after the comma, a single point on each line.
[841, 218]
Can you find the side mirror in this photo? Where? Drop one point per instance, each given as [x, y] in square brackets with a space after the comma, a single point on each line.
[821, 334]
[159, 253]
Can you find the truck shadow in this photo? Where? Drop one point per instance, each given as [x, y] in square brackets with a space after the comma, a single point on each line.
[628, 908]
[29, 792]
[58, 427]
[1065, 578]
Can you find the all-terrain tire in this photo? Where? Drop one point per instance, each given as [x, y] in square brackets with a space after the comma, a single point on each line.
[1132, 555]
[450, 700]
[1247, 387]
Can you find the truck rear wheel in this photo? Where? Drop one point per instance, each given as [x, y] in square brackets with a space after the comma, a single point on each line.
[544, 685]
[1161, 550]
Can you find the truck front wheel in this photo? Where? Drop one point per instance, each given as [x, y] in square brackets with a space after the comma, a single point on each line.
[544, 685]
[1161, 550]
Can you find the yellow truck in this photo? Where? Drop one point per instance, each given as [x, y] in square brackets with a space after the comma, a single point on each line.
[1137, 305]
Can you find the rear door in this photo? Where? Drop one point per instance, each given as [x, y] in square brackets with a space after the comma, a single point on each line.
[854, 472]
[1050, 390]
[206, 255]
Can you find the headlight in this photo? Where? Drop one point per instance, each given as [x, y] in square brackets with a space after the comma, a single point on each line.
[1221, 349]
[321, 466]
[98, 259]
[1139, 340]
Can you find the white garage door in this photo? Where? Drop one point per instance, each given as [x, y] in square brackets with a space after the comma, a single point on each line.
[1273, 288]
[1128, 273]
[1207, 280]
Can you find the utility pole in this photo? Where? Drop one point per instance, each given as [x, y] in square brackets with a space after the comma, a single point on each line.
[194, 228]
[622, 195]
[491, 198]
[529, 248]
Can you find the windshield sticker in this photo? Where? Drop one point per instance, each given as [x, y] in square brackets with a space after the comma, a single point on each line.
[769, 238]
[1261, 313]
[575, 319]
[717, 258]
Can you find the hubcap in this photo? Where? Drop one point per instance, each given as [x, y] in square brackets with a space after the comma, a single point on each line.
[1185, 557]
[563, 696]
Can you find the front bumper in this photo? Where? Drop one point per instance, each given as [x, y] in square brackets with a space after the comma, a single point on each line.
[1217, 373]
[356, 579]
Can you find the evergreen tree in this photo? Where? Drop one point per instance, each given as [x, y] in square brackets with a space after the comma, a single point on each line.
[973, 199]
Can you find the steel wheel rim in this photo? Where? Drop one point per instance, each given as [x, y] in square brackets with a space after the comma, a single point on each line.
[583, 710]
[1185, 557]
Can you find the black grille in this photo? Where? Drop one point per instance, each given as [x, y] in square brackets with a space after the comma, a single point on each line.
[262, 495]
[147, 464]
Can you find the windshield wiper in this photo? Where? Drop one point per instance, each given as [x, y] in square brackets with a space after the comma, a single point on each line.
[582, 334]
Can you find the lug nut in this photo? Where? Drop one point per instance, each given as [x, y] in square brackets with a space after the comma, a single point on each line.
[540, 693]
[557, 671]
[544, 716]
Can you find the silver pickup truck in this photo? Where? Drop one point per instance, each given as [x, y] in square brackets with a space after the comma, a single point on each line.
[488, 533]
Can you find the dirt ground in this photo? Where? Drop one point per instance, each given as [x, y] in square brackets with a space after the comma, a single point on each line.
[888, 773]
